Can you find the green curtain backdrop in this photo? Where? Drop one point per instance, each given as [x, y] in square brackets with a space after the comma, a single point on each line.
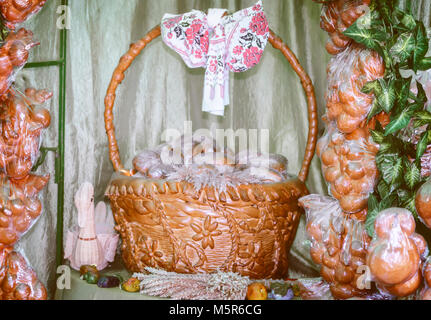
[160, 92]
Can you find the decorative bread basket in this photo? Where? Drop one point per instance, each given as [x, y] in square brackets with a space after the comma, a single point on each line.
[170, 225]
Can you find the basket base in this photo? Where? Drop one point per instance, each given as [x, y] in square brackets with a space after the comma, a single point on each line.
[171, 226]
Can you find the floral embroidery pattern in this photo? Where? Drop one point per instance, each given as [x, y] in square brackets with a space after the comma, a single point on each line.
[207, 233]
[259, 25]
[236, 43]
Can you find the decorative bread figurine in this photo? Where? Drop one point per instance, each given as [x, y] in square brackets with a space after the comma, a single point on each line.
[95, 242]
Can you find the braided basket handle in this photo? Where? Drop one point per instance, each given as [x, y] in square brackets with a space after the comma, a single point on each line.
[135, 50]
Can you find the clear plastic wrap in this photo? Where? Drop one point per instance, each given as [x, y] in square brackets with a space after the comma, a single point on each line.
[21, 123]
[200, 161]
[313, 289]
[348, 72]
[426, 272]
[17, 280]
[336, 17]
[15, 12]
[423, 203]
[338, 243]
[396, 253]
[14, 54]
[349, 168]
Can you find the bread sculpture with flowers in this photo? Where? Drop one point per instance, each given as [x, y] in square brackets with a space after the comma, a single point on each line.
[15, 12]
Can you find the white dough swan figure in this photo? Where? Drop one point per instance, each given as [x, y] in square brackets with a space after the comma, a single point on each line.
[95, 241]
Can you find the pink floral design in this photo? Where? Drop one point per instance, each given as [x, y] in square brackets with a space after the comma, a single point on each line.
[259, 24]
[257, 7]
[193, 31]
[198, 54]
[205, 42]
[236, 44]
[252, 56]
[213, 66]
[237, 50]
[172, 22]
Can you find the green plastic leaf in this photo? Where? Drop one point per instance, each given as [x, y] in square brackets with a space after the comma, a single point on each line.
[424, 64]
[391, 167]
[422, 145]
[385, 147]
[362, 32]
[388, 202]
[413, 175]
[400, 121]
[408, 21]
[383, 189]
[403, 48]
[422, 46]
[403, 20]
[371, 87]
[403, 90]
[375, 110]
[408, 201]
[421, 96]
[377, 136]
[373, 211]
[387, 96]
[422, 118]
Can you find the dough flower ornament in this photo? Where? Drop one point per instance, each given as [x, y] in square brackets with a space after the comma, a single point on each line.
[207, 234]
[219, 43]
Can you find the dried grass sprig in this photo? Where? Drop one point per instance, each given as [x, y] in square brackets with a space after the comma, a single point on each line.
[214, 286]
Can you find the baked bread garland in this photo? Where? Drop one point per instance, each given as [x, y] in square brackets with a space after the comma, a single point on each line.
[15, 12]
[22, 120]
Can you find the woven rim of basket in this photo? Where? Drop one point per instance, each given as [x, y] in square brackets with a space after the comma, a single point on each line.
[255, 193]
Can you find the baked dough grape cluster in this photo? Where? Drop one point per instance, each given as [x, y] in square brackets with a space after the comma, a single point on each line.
[22, 121]
[338, 244]
[15, 12]
[336, 17]
[395, 257]
[349, 167]
[13, 56]
[348, 72]
[347, 152]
